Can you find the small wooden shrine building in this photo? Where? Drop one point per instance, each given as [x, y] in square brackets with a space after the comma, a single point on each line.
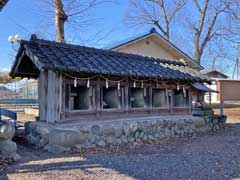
[77, 82]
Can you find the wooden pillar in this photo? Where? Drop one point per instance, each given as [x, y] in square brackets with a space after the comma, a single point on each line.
[150, 99]
[0, 114]
[210, 98]
[98, 96]
[49, 96]
[63, 106]
[190, 101]
[222, 107]
[58, 96]
[171, 101]
[42, 95]
[126, 96]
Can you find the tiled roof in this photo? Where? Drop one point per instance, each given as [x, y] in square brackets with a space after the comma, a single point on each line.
[74, 58]
[208, 71]
[3, 3]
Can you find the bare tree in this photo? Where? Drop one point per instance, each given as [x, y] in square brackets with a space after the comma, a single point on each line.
[159, 13]
[207, 22]
[206, 27]
[234, 9]
[5, 78]
[233, 27]
[74, 12]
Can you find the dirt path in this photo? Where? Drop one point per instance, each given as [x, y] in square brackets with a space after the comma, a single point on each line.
[212, 156]
[209, 156]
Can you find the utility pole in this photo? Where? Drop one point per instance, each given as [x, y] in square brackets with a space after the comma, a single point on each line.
[236, 69]
[236, 66]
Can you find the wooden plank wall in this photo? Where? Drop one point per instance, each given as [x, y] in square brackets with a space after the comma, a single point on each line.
[52, 98]
[50, 93]
[42, 96]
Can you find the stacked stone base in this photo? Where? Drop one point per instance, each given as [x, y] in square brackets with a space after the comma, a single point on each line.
[8, 148]
[64, 137]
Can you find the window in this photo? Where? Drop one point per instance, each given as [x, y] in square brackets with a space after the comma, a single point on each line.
[159, 98]
[138, 97]
[111, 98]
[179, 99]
[79, 98]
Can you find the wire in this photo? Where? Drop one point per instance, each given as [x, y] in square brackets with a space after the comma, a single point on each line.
[92, 77]
[113, 80]
[87, 78]
[116, 81]
[137, 80]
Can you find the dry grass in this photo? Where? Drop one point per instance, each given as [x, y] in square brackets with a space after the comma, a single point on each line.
[232, 110]
[22, 117]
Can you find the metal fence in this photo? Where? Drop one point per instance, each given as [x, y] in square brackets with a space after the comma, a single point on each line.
[20, 93]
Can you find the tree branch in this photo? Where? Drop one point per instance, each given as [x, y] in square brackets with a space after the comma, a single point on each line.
[91, 4]
[197, 6]
[209, 34]
[202, 16]
[178, 8]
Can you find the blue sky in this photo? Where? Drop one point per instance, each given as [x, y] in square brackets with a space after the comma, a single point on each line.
[25, 17]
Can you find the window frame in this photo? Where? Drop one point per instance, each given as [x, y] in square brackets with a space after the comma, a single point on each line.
[167, 105]
[122, 98]
[93, 99]
[146, 105]
[186, 99]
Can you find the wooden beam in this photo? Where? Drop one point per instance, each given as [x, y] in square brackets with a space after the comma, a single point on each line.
[190, 101]
[150, 98]
[58, 95]
[98, 95]
[52, 90]
[63, 106]
[171, 102]
[50, 97]
[126, 97]
[42, 85]
[222, 108]
[210, 98]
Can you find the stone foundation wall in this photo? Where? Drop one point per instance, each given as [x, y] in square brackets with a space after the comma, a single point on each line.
[8, 148]
[64, 137]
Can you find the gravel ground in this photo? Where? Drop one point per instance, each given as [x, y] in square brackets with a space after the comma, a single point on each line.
[208, 156]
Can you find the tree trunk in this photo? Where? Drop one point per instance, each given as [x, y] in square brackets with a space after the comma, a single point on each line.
[197, 56]
[167, 34]
[60, 19]
[198, 30]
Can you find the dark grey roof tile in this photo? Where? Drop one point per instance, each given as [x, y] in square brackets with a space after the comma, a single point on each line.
[66, 57]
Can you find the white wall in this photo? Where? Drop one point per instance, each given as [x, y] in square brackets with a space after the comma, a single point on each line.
[213, 95]
[148, 47]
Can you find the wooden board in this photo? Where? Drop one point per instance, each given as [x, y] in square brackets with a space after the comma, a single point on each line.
[11, 114]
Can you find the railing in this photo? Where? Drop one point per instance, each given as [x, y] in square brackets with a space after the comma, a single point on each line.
[19, 101]
[10, 114]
